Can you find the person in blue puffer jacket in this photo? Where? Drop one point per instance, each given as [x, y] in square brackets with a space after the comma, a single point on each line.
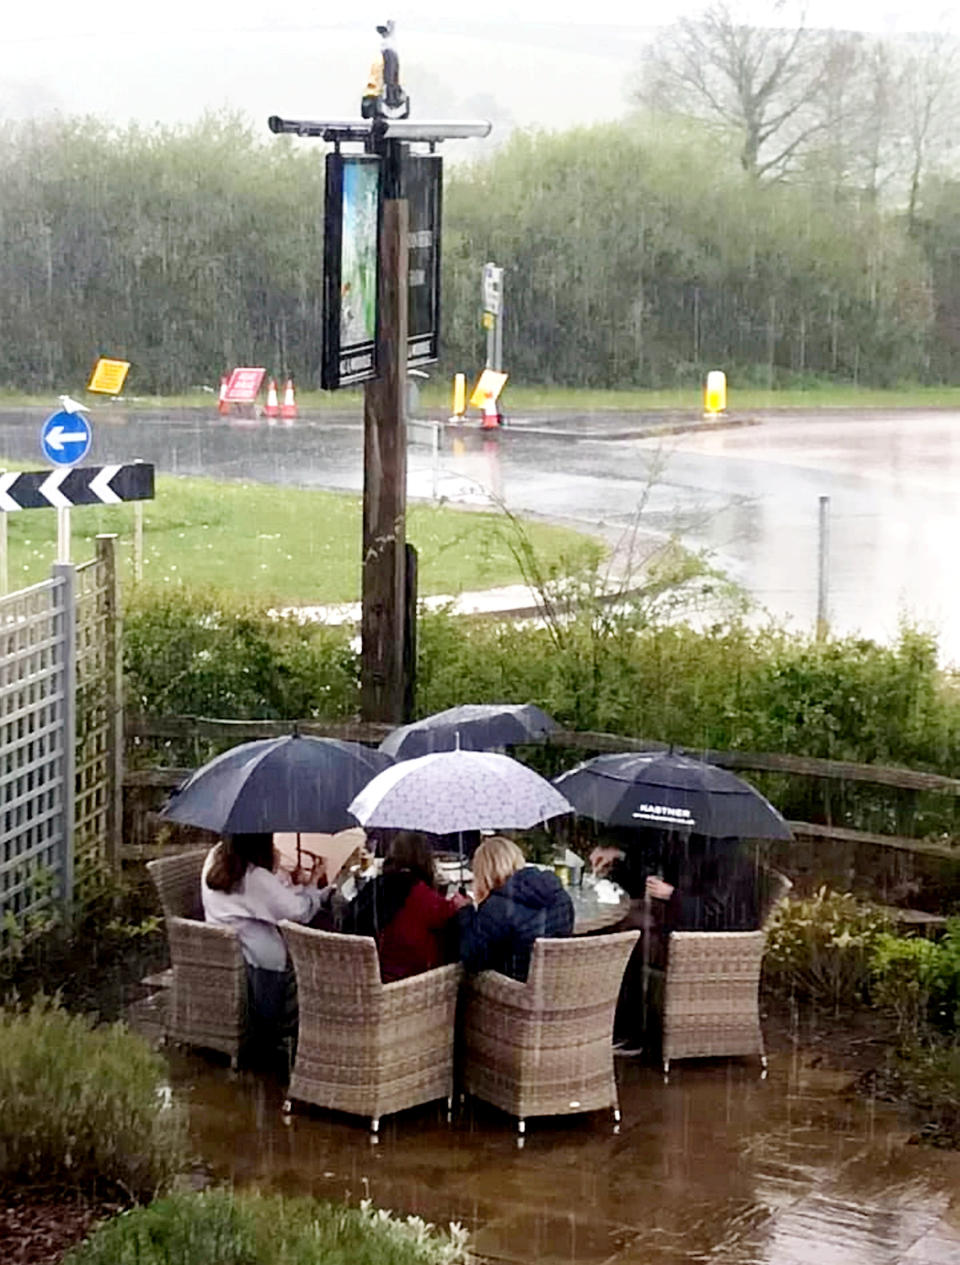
[515, 903]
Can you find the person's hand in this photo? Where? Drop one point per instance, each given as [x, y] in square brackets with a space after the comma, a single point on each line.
[460, 899]
[657, 888]
[602, 859]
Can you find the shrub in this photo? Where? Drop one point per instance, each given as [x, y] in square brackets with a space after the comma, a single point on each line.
[821, 948]
[83, 1106]
[253, 1229]
[918, 981]
[205, 654]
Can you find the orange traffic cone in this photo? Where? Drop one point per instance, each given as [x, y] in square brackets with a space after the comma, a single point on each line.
[272, 408]
[289, 409]
[491, 414]
[223, 406]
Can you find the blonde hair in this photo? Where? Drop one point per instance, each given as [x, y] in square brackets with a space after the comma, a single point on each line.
[494, 861]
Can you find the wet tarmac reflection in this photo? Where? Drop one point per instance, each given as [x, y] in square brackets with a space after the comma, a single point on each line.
[715, 1166]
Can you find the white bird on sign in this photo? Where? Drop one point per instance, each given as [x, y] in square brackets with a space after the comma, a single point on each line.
[70, 405]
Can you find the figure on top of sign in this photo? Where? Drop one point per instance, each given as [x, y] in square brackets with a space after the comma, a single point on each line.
[383, 96]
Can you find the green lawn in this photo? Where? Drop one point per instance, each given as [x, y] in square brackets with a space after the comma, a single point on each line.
[295, 546]
[437, 395]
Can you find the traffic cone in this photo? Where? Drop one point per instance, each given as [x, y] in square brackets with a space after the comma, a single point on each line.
[223, 406]
[272, 408]
[491, 414]
[289, 410]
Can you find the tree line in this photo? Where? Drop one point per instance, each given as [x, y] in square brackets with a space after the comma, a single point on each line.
[637, 253]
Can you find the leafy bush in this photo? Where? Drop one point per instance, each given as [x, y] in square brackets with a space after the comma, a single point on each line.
[821, 948]
[918, 981]
[204, 654]
[251, 1229]
[83, 1106]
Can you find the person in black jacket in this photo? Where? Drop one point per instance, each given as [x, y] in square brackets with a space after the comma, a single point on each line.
[515, 903]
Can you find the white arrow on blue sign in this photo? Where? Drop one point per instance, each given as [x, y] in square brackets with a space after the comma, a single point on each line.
[65, 438]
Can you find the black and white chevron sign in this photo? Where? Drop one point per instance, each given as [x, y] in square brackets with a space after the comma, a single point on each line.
[76, 485]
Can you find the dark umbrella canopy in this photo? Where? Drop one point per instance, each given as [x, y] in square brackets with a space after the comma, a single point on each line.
[670, 792]
[470, 727]
[293, 784]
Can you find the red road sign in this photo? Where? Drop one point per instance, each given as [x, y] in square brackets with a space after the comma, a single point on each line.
[243, 385]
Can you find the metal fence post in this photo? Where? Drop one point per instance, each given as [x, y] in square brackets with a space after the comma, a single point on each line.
[64, 573]
[113, 694]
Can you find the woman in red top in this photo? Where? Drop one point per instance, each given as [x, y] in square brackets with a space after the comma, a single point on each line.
[404, 912]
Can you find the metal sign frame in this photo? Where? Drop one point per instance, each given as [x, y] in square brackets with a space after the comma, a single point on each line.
[351, 253]
[423, 189]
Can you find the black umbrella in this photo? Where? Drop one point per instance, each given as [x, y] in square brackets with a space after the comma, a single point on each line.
[470, 727]
[671, 792]
[292, 784]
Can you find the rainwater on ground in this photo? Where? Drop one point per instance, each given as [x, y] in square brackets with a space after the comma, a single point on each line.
[748, 494]
[717, 1165]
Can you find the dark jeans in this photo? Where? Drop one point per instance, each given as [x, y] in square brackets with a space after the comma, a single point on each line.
[272, 1027]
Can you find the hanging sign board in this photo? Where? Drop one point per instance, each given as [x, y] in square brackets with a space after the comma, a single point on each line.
[423, 189]
[350, 255]
[108, 376]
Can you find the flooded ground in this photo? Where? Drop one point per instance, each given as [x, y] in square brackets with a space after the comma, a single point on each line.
[715, 1166]
[748, 494]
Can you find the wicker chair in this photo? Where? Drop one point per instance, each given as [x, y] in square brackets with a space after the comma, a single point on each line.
[545, 1047]
[208, 1000]
[365, 1047]
[711, 995]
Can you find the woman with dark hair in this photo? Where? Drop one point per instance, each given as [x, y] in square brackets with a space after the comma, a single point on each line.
[241, 889]
[403, 911]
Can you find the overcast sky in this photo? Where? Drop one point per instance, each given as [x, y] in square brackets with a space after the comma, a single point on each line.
[525, 61]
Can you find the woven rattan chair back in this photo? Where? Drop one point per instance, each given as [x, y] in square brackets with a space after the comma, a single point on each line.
[365, 1047]
[207, 1006]
[545, 1047]
[711, 1004]
[177, 880]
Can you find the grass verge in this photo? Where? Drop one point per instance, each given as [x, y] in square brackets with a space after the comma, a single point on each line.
[296, 547]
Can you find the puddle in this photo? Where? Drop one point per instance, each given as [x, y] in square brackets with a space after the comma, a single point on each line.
[716, 1166]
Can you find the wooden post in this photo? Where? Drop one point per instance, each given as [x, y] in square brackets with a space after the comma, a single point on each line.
[385, 471]
[113, 697]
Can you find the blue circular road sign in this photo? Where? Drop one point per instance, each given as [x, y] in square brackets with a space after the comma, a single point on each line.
[65, 438]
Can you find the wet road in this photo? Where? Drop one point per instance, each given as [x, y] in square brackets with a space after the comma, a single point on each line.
[716, 1166]
[747, 494]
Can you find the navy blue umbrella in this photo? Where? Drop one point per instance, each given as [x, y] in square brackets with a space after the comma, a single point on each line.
[470, 727]
[666, 791]
[293, 784]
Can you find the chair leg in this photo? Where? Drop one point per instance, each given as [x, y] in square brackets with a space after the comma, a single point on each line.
[521, 1126]
[449, 1108]
[666, 1070]
[375, 1124]
[763, 1067]
[287, 1107]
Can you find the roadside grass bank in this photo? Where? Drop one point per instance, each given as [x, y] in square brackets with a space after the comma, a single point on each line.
[291, 546]
[436, 395]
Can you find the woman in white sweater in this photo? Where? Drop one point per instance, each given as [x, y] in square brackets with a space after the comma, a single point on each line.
[241, 889]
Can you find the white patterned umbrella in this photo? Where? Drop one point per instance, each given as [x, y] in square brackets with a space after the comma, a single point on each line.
[451, 791]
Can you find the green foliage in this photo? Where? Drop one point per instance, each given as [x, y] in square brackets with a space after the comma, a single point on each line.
[203, 654]
[918, 982]
[83, 1106]
[820, 949]
[223, 1228]
[926, 1075]
[193, 248]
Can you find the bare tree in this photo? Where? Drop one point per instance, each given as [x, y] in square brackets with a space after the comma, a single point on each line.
[764, 84]
[929, 100]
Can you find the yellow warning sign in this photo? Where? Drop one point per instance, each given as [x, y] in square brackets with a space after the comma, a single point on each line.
[487, 320]
[108, 376]
[490, 382]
